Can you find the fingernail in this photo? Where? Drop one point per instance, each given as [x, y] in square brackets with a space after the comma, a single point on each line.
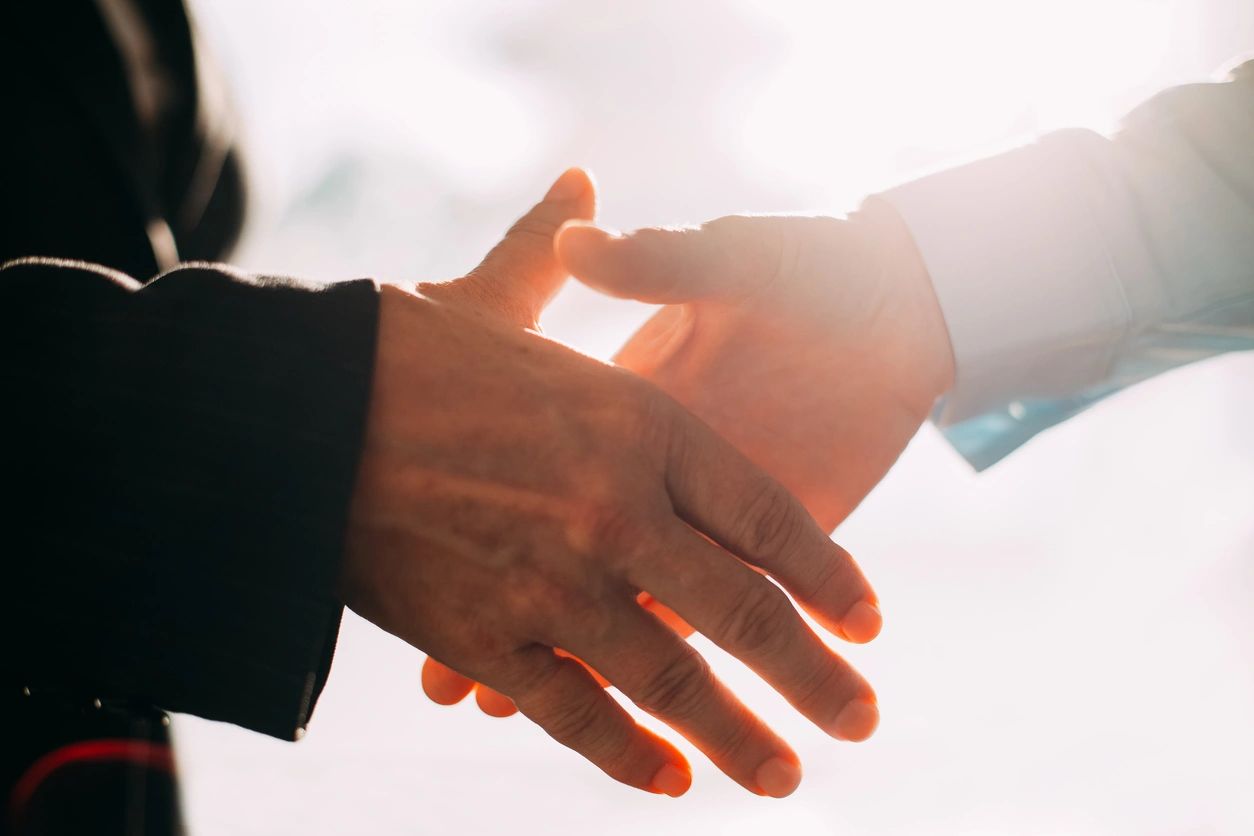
[778, 777]
[569, 186]
[856, 721]
[862, 623]
[671, 780]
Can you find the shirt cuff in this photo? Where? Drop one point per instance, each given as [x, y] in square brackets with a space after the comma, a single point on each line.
[1031, 299]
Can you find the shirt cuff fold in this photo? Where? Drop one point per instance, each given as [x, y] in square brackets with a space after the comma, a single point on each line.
[1032, 301]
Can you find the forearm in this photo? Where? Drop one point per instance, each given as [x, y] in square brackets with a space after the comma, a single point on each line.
[185, 454]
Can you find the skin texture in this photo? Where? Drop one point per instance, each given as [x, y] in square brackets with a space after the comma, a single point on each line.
[816, 346]
[515, 496]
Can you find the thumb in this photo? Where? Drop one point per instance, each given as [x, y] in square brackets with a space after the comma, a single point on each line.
[521, 273]
[723, 259]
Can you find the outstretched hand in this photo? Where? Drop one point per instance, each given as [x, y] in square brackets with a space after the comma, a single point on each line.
[515, 496]
[814, 345]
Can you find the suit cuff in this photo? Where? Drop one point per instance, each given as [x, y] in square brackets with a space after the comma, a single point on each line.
[260, 632]
[187, 454]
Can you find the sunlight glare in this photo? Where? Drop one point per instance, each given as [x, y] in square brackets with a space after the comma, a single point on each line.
[871, 91]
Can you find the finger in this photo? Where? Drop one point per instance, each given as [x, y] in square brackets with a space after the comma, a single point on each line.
[600, 680]
[666, 677]
[725, 496]
[444, 685]
[521, 273]
[496, 704]
[723, 259]
[493, 703]
[748, 616]
[662, 612]
[665, 614]
[559, 696]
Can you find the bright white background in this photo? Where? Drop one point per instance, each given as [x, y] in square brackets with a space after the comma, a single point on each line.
[1069, 639]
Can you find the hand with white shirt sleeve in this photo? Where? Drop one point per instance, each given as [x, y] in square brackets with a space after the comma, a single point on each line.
[1002, 296]
[814, 345]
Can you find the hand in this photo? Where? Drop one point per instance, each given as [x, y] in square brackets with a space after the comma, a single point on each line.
[815, 346]
[514, 496]
[513, 285]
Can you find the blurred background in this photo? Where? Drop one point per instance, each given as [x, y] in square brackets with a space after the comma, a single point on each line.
[1069, 638]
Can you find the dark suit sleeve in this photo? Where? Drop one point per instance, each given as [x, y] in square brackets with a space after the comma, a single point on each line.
[180, 458]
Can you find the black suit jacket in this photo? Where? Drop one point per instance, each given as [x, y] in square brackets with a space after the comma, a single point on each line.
[179, 453]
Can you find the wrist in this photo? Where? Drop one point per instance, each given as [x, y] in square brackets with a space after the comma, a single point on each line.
[913, 317]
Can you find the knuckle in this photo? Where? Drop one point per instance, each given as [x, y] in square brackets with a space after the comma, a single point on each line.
[755, 625]
[528, 677]
[772, 524]
[604, 526]
[643, 400]
[490, 289]
[578, 723]
[612, 539]
[608, 741]
[647, 413]
[534, 225]
[482, 649]
[554, 607]
[619, 761]
[529, 589]
[588, 618]
[825, 583]
[613, 527]
[822, 691]
[732, 741]
[731, 227]
[676, 690]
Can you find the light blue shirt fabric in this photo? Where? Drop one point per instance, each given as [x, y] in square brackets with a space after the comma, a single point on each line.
[1079, 265]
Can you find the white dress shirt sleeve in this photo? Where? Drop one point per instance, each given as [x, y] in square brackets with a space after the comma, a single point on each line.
[1080, 264]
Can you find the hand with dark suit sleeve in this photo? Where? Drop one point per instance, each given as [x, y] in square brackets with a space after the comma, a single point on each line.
[208, 466]
[180, 458]
[515, 496]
